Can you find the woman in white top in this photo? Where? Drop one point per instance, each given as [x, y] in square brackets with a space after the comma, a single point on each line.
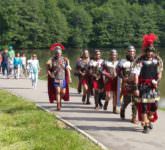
[34, 69]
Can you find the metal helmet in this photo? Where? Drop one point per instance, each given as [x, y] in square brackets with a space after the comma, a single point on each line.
[150, 48]
[131, 48]
[58, 49]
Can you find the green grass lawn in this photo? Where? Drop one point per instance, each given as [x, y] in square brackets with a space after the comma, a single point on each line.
[163, 109]
[25, 127]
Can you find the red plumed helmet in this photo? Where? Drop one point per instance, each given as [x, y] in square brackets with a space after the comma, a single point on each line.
[148, 40]
[53, 46]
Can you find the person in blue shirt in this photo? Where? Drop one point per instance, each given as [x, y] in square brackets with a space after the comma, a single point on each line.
[17, 66]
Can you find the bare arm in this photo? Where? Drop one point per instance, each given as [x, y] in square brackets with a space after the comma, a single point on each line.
[68, 69]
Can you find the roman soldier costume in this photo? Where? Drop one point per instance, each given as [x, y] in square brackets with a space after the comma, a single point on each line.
[58, 76]
[125, 72]
[97, 80]
[110, 79]
[150, 69]
[82, 71]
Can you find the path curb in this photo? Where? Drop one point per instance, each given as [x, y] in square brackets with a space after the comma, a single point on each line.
[68, 124]
[76, 128]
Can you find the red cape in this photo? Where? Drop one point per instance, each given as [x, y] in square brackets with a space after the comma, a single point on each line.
[52, 90]
[139, 106]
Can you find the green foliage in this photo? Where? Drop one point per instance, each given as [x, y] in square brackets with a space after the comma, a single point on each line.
[56, 29]
[81, 26]
[24, 127]
[80, 23]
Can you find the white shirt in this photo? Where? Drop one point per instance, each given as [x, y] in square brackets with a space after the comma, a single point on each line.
[23, 60]
[34, 65]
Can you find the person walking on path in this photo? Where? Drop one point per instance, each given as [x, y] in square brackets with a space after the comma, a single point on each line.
[0, 62]
[34, 69]
[23, 68]
[125, 72]
[110, 79]
[17, 62]
[5, 63]
[149, 70]
[83, 73]
[28, 67]
[97, 80]
[58, 70]
[11, 53]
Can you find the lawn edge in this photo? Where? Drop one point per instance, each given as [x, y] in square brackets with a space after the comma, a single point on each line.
[92, 139]
[76, 129]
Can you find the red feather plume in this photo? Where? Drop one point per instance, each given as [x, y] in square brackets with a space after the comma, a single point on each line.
[148, 40]
[53, 46]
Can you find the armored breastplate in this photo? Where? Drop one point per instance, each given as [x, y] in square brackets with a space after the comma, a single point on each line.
[111, 67]
[83, 66]
[149, 69]
[94, 68]
[125, 67]
[58, 68]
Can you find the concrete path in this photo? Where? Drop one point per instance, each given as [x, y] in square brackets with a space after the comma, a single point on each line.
[104, 126]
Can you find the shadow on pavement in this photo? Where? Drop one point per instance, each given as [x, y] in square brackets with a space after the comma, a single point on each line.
[87, 111]
[68, 103]
[93, 128]
[74, 107]
[96, 119]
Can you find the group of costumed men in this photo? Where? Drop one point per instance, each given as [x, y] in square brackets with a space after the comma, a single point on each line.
[139, 77]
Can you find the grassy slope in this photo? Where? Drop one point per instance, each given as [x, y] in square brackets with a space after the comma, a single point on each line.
[24, 127]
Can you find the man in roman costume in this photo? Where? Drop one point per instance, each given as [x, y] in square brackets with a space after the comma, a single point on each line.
[97, 80]
[150, 67]
[110, 79]
[82, 71]
[58, 70]
[125, 72]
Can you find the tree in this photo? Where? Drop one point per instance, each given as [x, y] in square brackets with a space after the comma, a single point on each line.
[81, 26]
[56, 29]
[80, 23]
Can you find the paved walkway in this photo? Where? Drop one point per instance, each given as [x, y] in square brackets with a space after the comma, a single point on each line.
[104, 126]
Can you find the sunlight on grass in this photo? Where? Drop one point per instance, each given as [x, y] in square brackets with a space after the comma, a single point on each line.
[24, 127]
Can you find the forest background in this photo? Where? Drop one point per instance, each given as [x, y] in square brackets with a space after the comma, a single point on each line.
[80, 23]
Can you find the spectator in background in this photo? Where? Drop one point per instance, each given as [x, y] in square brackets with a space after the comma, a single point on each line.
[23, 68]
[34, 69]
[5, 63]
[11, 53]
[17, 66]
[28, 67]
[0, 62]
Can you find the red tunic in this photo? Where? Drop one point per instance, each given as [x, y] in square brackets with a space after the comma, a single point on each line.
[52, 89]
[139, 106]
[111, 84]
